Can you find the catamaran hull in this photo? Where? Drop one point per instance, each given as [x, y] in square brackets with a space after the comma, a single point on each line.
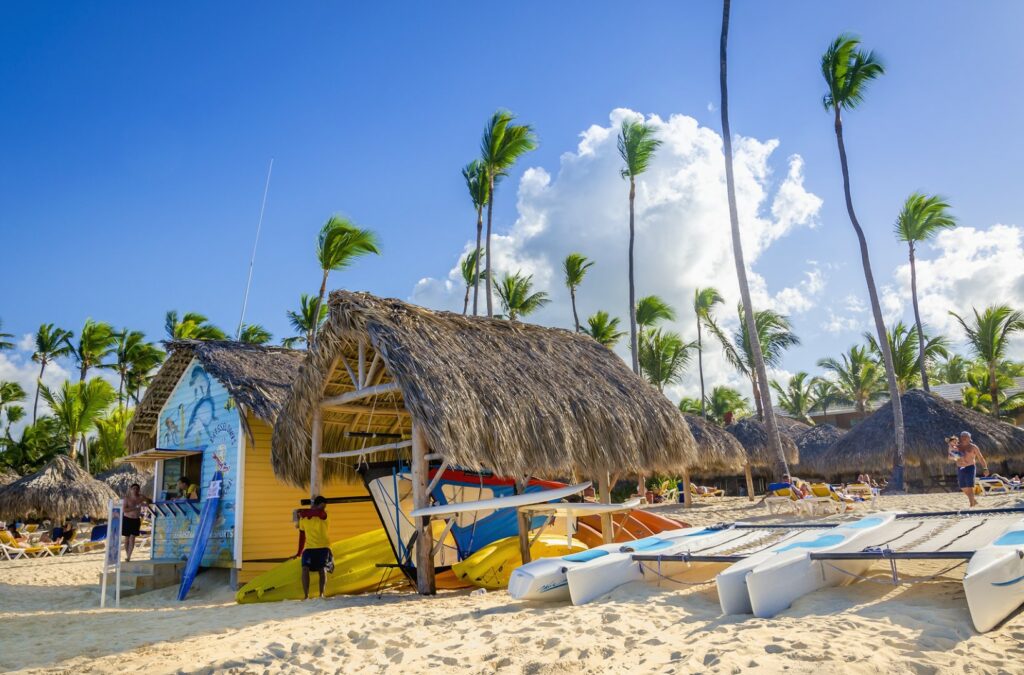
[994, 582]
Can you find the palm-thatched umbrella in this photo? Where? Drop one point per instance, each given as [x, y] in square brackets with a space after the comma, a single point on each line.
[720, 452]
[791, 427]
[753, 436]
[813, 442]
[928, 420]
[124, 476]
[8, 476]
[61, 490]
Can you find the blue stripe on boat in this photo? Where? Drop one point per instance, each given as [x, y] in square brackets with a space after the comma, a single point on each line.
[1011, 538]
[585, 556]
[1011, 582]
[820, 542]
[643, 543]
[861, 524]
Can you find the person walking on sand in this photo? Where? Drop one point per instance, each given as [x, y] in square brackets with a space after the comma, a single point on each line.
[131, 520]
[966, 455]
[314, 544]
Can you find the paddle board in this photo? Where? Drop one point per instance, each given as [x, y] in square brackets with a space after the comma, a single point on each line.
[202, 535]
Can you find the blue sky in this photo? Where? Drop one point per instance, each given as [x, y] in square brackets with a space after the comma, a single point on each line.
[135, 141]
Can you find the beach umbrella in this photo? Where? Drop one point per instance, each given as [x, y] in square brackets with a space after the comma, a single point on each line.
[62, 489]
[122, 477]
[812, 442]
[720, 452]
[790, 426]
[8, 476]
[753, 436]
[928, 421]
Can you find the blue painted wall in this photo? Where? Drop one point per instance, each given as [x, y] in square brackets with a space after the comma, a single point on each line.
[201, 415]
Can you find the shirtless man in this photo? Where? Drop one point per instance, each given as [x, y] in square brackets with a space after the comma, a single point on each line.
[966, 455]
[131, 519]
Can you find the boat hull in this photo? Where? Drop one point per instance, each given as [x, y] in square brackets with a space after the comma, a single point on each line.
[994, 581]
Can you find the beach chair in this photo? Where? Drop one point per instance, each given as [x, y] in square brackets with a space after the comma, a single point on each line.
[823, 499]
[863, 492]
[12, 547]
[782, 496]
[707, 491]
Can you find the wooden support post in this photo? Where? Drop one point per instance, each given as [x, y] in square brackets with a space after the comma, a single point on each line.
[687, 490]
[362, 363]
[524, 525]
[604, 495]
[750, 482]
[420, 499]
[315, 469]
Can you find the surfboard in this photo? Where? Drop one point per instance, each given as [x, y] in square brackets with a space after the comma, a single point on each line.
[202, 535]
[580, 508]
[512, 501]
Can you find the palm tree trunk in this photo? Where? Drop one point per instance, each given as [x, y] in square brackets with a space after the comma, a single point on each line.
[316, 311]
[39, 384]
[700, 370]
[575, 317]
[73, 446]
[758, 403]
[993, 386]
[465, 302]
[487, 281]
[917, 319]
[774, 442]
[633, 344]
[896, 481]
[476, 263]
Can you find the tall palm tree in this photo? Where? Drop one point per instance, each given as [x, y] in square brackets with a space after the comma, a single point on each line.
[191, 326]
[847, 71]
[503, 143]
[340, 243]
[663, 357]
[977, 394]
[479, 188]
[516, 297]
[950, 370]
[903, 345]
[704, 300]
[95, 343]
[637, 146]
[109, 444]
[40, 442]
[604, 329]
[77, 406]
[764, 401]
[143, 360]
[575, 267]
[306, 321]
[652, 310]
[989, 338]
[470, 268]
[51, 343]
[797, 398]
[5, 338]
[724, 400]
[127, 345]
[14, 414]
[255, 334]
[922, 218]
[859, 379]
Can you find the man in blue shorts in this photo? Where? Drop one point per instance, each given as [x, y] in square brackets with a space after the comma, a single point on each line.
[966, 455]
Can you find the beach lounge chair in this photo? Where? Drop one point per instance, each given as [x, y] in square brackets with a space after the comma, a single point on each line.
[12, 547]
[706, 491]
[862, 491]
[995, 485]
[782, 496]
[824, 499]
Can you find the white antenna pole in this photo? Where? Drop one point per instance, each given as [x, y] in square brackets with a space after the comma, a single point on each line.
[252, 261]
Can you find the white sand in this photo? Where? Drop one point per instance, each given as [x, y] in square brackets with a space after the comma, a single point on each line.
[50, 621]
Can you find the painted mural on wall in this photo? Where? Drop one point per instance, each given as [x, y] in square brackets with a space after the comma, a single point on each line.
[200, 415]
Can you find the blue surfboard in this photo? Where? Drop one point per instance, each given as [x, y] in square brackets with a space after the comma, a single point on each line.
[202, 535]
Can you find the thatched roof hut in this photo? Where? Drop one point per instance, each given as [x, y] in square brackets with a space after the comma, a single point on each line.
[720, 452]
[753, 436]
[815, 441]
[486, 394]
[62, 489]
[123, 476]
[927, 420]
[8, 476]
[791, 427]
[257, 377]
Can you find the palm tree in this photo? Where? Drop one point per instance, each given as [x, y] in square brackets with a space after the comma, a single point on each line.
[127, 345]
[977, 395]
[502, 145]
[254, 334]
[10, 394]
[575, 267]
[303, 321]
[109, 444]
[797, 398]
[989, 338]
[143, 360]
[470, 268]
[95, 343]
[847, 71]
[191, 326]
[651, 310]
[77, 406]
[5, 342]
[764, 399]
[516, 298]
[903, 345]
[823, 392]
[859, 379]
[604, 329]
[663, 357]
[951, 370]
[704, 300]
[637, 145]
[920, 220]
[40, 442]
[51, 343]
[340, 243]
[14, 414]
[725, 400]
[479, 188]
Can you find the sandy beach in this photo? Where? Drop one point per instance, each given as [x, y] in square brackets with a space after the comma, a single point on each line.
[52, 623]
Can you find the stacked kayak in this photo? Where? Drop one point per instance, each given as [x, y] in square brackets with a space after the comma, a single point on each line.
[628, 526]
[492, 565]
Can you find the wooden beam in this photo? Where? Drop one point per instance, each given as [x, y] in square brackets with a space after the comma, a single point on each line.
[750, 482]
[425, 582]
[359, 409]
[351, 375]
[359, 394]
[687, 490]
[604, 495]
[315, 472]
[362, 364]
[366, 451]
[437, 476]
[371, 373]
[523, 520]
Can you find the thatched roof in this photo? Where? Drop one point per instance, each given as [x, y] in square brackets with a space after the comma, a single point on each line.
[791, 427]
[927, 420]
[123, 476]
[62, 489]
[720, 452]
[753, 436]
[256, 376]
[489, 394]
[8, 476]
[814, 441]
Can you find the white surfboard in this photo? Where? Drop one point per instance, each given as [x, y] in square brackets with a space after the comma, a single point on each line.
[513, 501]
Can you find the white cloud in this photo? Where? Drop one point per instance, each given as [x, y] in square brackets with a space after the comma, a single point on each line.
[17, 366]
[27, 343]
[836, 323]
[682, 229]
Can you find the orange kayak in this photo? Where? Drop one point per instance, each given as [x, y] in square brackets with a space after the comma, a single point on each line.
[634, 524]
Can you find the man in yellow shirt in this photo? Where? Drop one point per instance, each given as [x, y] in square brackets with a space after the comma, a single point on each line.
[316, 555]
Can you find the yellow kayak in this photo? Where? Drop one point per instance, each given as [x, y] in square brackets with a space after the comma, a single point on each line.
[492, 565]
[355, 571]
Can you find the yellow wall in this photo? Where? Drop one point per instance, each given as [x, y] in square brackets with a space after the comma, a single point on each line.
[266, 516]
